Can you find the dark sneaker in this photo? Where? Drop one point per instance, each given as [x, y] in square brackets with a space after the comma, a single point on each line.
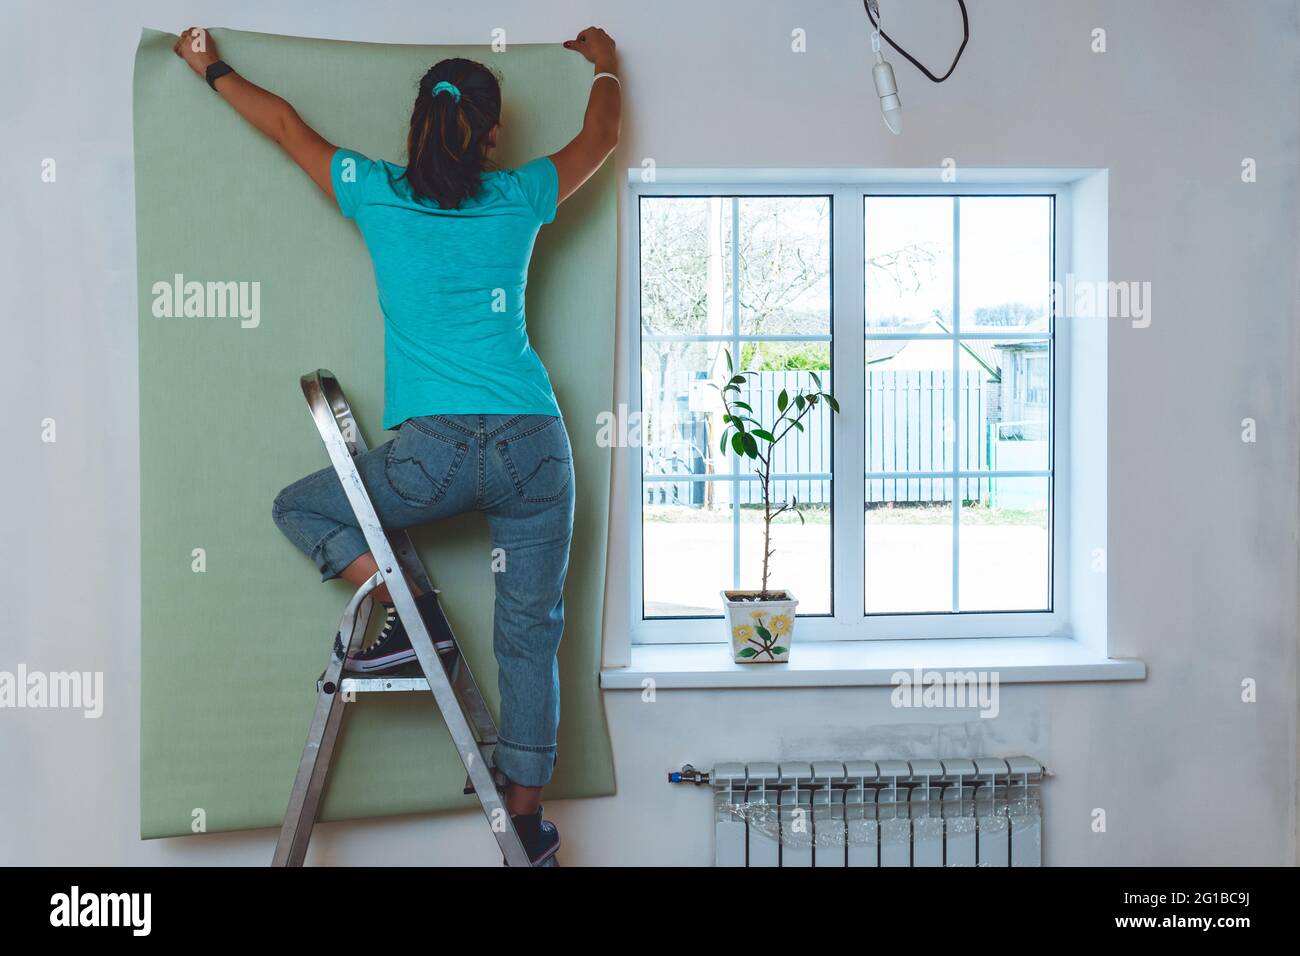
[540, 837]
[392, 648]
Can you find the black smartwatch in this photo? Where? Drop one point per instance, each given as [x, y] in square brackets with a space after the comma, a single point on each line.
[216, 71]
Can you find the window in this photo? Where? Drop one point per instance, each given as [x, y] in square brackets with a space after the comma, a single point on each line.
[928, 313]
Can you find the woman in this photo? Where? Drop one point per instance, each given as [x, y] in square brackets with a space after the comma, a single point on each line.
[478, 425]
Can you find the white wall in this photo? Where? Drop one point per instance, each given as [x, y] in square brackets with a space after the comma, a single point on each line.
[1202, 529]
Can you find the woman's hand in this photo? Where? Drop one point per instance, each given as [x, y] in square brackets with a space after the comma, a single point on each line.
[597, 47]
[197, 48]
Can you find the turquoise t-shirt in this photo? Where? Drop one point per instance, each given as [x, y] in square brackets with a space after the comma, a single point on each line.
[451, 287]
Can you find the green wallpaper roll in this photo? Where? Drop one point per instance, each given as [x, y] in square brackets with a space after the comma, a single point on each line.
[230, 653]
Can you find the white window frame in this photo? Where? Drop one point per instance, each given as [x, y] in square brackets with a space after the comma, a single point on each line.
[849, 190]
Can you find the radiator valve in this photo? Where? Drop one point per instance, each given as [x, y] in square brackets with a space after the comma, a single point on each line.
[688, 774]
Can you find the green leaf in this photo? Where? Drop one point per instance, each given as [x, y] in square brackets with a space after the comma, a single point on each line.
[800, 402]
[798, 425]
[751, 446]
[737, 380]
[745, 405]
[763, 632]
[727, 353]
[816, 378]
[778, 650]
[782, 401]
[747, 652]
[738, 443]
[763, 433]
[722, 445]
[830, 400]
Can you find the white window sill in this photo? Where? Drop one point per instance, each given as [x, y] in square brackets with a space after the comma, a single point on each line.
[1016, 660]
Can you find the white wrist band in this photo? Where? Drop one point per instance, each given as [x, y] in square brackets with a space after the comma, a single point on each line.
[610, 75]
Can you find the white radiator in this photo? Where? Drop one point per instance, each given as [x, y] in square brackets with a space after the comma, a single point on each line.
[983, 812]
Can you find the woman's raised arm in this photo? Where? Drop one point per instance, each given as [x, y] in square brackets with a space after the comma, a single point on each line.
[269, 113]
[577, 161]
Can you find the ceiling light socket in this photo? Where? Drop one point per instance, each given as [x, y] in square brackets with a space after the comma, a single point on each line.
[887, 89]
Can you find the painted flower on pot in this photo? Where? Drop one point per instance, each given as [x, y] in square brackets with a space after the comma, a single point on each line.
[761, 641]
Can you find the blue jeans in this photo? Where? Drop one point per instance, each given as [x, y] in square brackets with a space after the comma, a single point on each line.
[518, 470]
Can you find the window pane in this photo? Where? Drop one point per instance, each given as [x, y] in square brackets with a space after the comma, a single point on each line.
[908, 546]
[785, 265]
[686, 549]
[909, 263]
[685, 265]
[1005, 559]
[1006, 262]
[679, 411]
[1005, 405]
[909, 399]
[789, 367]
[801, 551]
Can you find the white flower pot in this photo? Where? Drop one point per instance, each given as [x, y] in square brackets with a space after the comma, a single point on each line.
[749, 620]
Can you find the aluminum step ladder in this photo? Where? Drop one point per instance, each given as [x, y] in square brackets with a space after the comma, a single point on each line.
[447, 675]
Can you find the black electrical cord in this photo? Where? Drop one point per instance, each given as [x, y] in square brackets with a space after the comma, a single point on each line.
[965, 27]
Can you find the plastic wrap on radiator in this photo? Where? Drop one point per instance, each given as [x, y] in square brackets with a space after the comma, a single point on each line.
[908, 827]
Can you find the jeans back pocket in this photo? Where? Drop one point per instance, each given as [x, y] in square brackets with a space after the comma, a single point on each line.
[539, 458]
[421, 463]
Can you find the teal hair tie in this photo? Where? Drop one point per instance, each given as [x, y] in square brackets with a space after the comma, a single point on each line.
[444, 87]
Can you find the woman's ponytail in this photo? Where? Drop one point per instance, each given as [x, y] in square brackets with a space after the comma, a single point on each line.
[456, 107]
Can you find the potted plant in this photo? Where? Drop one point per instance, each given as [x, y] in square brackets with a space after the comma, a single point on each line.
[761, 623]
